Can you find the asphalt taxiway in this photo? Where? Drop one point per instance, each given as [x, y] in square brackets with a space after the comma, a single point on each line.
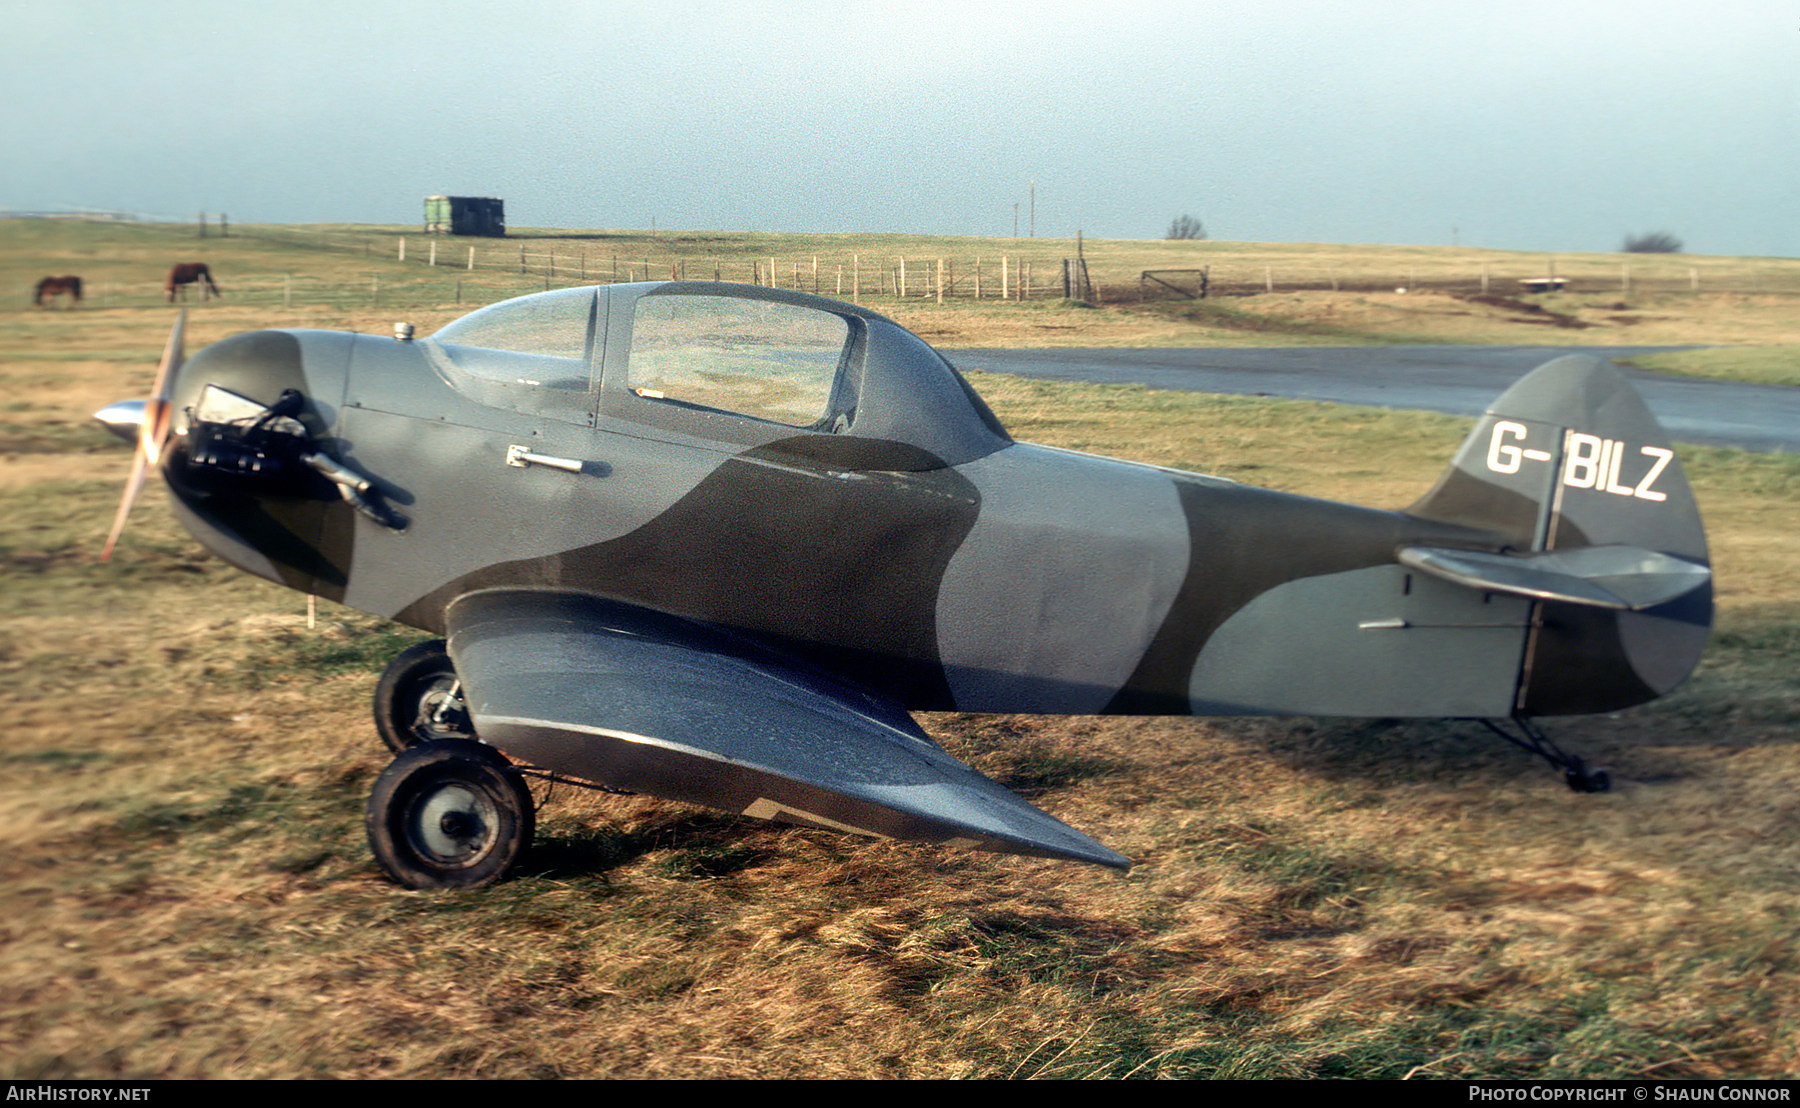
[1460, 380]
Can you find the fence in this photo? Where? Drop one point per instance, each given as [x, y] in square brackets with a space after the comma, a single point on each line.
[1489, 279]
[419, 270]
[290, 290]
[1039, 276]
[854, 276]
[858, 276]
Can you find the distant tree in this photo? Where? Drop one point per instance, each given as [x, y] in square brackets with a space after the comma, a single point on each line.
[1185, 227]
[1655, 242]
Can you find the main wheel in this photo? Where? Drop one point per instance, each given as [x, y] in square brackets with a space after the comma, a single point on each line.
[419, 699]
[449, 814]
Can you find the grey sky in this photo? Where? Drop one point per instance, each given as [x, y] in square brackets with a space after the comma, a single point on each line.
[1531, 124]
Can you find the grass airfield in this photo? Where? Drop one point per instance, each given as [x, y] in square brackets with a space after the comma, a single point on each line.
[189, 893]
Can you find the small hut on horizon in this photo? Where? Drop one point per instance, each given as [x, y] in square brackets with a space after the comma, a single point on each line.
[465, 215]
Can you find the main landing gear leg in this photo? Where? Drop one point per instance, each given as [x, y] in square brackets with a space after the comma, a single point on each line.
[1532, 738]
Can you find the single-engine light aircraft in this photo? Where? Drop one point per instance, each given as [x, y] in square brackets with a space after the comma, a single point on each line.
[714, 543]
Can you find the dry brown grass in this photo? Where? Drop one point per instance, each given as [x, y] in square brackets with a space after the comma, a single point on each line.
[189, 895]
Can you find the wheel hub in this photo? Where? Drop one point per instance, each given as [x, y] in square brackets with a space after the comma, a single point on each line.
[454, 824]
[442, 714]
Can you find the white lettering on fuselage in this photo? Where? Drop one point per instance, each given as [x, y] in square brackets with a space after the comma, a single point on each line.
[1589, 461]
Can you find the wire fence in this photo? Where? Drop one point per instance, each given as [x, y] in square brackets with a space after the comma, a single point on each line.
[1585, 277]
[421, 270]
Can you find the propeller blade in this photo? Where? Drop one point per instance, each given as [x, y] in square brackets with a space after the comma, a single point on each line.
[153, 431]
[140, 468]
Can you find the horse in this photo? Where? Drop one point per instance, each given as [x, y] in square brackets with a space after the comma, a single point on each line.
[58, 286]
[188, 273]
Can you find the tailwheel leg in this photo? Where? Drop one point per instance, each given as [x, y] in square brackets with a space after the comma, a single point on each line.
[1532, 738]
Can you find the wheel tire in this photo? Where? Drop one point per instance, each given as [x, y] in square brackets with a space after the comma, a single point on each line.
[449, 814]
[1589, 780]
[418, 699]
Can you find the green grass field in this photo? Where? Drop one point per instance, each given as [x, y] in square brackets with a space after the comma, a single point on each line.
[189, 893]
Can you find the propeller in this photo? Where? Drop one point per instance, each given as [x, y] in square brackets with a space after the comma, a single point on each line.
[153, 429]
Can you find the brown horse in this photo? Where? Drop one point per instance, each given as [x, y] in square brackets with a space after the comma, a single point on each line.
[58, 286]
[188, 273]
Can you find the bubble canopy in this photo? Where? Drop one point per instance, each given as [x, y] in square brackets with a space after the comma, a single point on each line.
[739, 362]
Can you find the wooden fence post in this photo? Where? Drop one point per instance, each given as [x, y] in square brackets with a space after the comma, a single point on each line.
[940, 281]
[471, 259]
[402, 248]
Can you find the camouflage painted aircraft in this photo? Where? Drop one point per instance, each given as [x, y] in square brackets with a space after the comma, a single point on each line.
[715, 543]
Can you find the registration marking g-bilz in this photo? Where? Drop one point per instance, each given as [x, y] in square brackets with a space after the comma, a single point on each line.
[1589, 461]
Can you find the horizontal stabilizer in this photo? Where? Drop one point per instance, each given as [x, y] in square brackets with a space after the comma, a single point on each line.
[1625, 578]
[662, 706]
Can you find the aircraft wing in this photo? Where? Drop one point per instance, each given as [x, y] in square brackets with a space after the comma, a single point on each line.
[663, 706]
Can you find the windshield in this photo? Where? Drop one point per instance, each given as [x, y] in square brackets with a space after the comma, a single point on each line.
[532, 353]
[556, 324]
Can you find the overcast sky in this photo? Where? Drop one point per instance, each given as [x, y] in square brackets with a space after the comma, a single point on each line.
[1556, 125]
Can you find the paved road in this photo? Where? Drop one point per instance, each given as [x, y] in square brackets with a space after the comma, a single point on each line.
[1461, 380]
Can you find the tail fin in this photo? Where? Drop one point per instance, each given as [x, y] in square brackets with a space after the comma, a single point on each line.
[1569, 458]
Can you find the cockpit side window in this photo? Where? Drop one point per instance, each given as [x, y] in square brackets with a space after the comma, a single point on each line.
[532, 354]
[765, 359]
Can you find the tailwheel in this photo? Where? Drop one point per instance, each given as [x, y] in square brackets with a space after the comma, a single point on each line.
[1588, 780]
[450, 814]
[1532, 738]
[419, 698]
